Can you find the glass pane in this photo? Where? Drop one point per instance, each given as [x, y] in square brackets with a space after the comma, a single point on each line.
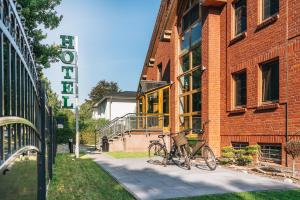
[196, 122]
[194, 14]
[141, 106]
[196, 33]
[153, 103]
[186, 122]
[185, 83]
[270, 82]
[197, 56]
[166, 121]
[185, 63]
[240, 89]
[185, 104]
[185, 41]
[166, 101]
[196, 102]
[196, 79]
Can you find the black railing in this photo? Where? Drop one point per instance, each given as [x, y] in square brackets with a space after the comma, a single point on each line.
[27, 124]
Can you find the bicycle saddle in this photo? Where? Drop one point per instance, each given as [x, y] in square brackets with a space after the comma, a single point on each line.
[161, 136]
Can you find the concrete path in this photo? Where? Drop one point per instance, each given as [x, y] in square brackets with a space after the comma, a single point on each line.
[147, 181]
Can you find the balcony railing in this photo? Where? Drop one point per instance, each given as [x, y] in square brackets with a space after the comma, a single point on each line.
[132, 122]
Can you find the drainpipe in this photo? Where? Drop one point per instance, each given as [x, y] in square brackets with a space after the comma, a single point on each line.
[287, 78]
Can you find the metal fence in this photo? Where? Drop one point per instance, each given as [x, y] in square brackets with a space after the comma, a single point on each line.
[131, 122]
[27, 124]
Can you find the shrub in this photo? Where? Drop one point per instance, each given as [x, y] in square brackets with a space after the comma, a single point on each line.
[293, 149]
[227, 155]
[243, 160]
[240, 157]
[253, 149]
[227, 149]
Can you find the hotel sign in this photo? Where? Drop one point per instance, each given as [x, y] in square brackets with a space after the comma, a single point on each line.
[69, 57]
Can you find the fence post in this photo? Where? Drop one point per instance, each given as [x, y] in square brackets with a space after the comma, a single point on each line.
[41, 154]
[54, 140]
[50, 151]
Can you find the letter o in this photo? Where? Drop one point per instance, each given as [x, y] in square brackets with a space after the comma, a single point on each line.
[66, 54]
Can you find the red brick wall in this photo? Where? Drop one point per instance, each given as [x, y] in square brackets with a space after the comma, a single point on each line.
[259, 45]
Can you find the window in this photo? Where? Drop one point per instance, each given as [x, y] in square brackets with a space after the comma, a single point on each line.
[239, 145]
[166, 107]
[240, 16]
[159, 72]
[190, 67]
[240, 89]
[153, 103]
[270, 81]
[271, 153]
[269, 8]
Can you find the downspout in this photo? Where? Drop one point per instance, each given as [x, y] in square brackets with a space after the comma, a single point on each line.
[287, 78]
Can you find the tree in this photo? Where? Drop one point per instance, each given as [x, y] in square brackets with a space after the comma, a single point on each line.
[40, 14]
[103, 88]
[53, 100]
[293, 149]
[85, 111]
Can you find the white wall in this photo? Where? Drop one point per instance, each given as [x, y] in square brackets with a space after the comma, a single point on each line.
[118, 108]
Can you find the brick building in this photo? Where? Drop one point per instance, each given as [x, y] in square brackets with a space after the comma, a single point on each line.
[234, 63]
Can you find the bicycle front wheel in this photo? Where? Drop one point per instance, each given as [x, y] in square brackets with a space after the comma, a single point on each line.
[157, 154]
[209, 158]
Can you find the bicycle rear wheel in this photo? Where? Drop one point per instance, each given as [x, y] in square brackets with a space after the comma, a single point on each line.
[209, 157]
[157, 154]
[182, 159]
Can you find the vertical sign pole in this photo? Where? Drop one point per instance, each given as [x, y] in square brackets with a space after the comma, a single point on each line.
[76, 99]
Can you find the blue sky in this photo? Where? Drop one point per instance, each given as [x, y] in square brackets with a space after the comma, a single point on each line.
[113, 40]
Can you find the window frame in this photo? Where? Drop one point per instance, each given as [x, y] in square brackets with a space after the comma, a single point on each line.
[234, 92]
[269, 159]
[234, 19]
[190, 115]
[262, 18]
[261, 82]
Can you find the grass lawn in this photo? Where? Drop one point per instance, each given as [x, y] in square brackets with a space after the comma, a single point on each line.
[128, 154]
[83, 179]
[20, 182]
[269, 195]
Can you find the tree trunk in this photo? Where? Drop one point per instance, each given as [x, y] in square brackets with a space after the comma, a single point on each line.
[294, 162]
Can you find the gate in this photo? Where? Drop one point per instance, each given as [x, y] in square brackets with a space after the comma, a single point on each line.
[27, 125]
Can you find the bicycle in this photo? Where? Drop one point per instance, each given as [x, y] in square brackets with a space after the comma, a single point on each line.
[181, 152]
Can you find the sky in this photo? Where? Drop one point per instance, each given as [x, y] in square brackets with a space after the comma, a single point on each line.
[114, 36]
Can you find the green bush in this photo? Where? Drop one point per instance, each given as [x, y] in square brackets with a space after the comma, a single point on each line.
[241, 157]
[87, 134]
[227, 149]
[227, 155]
[253, 149]
[243, 160]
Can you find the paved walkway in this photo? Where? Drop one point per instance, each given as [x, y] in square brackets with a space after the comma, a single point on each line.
[146, 181]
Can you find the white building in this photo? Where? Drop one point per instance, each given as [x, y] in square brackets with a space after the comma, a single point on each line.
[115, 105]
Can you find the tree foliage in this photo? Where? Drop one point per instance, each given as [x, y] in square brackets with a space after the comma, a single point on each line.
[68, 130]
[41, 14]
[103, 88]
[53, 100]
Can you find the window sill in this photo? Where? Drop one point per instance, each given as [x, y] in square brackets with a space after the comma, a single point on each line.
[270, 20]
[237, 111]
[238, 38]
[268, 106]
